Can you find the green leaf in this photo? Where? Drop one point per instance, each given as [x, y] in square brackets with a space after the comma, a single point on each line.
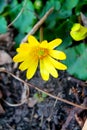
[26, 19]
[81, 7]
[77, 61]
[62, 32]
[66, 8]
[3, 25]
[18, 39]
[40, 96]
[70, 4]
[11, 10]
[51, 3]
[2, 5]
[64, 13]
[51, 20]
[13, 4]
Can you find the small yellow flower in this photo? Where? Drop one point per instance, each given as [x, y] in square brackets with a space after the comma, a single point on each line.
[78, 32]
[33, 53]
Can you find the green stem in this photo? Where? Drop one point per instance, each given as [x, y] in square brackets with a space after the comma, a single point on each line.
[41, 34]
[5, 14]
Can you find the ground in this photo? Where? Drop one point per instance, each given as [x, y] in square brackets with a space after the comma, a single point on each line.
[40, 113]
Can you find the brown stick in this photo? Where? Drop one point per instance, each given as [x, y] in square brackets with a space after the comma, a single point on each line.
[85, 125]
[43, 91]
[18, 14]
[38, 24]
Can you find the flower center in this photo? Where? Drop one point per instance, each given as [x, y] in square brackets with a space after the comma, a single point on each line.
[42, 52]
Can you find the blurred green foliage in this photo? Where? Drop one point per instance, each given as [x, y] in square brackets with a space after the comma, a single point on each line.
[66, 12]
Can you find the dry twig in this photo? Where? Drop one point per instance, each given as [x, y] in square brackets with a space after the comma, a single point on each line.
[19, 14]
[38, 24]
[74, 114]
[85, 125]
[43, 91]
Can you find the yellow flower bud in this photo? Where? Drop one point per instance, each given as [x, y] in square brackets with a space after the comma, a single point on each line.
[78, 32]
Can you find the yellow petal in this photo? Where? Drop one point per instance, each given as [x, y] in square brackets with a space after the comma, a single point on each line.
[55, 43]
[78, 32]
[32, 40]
[44, 73]
[50, 68]
[57, 64]
[57, 54]
[44, 44]
[27, 62]
[23, 47]
[24, 65]
[76, 27]
[32, 69]
[20, 57]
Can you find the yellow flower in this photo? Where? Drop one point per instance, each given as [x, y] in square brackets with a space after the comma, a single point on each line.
[33, 53]
[78, 32]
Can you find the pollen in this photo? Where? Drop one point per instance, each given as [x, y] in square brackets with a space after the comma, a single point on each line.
[42, 52]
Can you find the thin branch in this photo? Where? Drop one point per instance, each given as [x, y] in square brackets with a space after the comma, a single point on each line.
[22, 101]
[38, 24]
[15, 105]
[85, 125]
[43, 91]
[19, 14]
[82, 83]
[26, 91]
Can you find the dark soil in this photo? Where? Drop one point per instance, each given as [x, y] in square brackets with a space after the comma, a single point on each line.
[49, 114]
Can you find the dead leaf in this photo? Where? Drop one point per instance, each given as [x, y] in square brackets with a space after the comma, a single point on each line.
[32, 101]
[85, 125]
[79, 120]
[84, 19]
[4, 57]
[5, 37]
[25, 93]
